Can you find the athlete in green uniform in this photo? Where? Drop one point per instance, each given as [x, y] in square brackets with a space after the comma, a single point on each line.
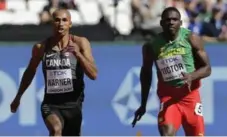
[181, 62]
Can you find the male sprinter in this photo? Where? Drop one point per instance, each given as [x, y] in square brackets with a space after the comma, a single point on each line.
[181, 63]
[65, 58]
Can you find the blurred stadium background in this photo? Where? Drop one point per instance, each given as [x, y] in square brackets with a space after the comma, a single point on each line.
[116, 29]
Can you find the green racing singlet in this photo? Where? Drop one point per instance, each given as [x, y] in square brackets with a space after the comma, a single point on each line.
[173, 58]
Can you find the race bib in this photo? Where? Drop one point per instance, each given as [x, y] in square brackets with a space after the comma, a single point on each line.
[171, 67]
[199, 109]
[59, 81]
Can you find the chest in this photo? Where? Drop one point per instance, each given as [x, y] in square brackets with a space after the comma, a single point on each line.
[59, 59]
[172, 49]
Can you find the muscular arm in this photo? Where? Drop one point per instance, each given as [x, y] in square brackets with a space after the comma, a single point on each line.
[146, 74]
[202, 62]
[86, 59]
[30, 70]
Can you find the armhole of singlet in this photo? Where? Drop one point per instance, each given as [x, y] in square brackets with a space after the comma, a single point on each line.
[151, 44]
[189, 41]
[192, 49]
[47, 42]
[79, 69]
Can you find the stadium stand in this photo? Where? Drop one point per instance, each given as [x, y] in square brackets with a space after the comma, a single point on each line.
[125, 18]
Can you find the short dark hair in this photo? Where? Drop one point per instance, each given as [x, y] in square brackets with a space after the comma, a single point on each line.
[168, 9]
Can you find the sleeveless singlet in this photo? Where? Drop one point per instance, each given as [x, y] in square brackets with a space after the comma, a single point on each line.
[63, 76]
[173, 58]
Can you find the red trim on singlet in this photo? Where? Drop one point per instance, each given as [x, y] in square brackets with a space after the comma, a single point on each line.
[165, 90]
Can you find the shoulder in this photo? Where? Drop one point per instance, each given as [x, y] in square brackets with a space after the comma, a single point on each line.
[79, 40]
[148, 44]
[185, 33]
[147, 47]
[82, 42]
[195, 41]
[38, 48]
[193, 37]
[152, 44]
[158, 39]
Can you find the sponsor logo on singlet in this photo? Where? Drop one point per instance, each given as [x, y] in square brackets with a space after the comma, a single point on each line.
[171, 52]
[58, 80]
[171, 68]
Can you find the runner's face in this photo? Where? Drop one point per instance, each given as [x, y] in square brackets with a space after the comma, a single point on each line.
[171, 22]
[62, 23]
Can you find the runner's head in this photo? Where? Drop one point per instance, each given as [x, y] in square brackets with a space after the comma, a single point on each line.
[171, 20]
[61, 21]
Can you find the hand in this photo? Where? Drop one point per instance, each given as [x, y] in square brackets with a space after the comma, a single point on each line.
[14, 105]
[138, 114]
[187, 78]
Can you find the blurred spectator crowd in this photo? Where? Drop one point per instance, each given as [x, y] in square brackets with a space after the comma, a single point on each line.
[204, 17]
